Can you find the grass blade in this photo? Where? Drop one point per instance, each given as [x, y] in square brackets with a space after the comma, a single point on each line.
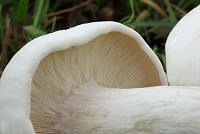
[155, 7]
[172, 15]
[22, 10]
[152, 24]
[38, 14]
[132, 12]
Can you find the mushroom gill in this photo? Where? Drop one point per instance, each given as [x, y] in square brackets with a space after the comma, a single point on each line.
[112, 60]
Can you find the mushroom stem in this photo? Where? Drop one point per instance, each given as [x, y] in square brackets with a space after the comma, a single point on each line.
[91, 108]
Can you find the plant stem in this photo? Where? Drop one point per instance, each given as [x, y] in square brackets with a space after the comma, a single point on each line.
[3, 54]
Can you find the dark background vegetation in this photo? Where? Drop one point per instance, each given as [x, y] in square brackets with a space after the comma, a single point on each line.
[23, 20]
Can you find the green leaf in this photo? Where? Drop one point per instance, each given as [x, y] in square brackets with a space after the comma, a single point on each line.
[33, 31]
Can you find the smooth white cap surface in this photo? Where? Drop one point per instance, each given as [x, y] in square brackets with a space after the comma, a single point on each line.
[183, 51]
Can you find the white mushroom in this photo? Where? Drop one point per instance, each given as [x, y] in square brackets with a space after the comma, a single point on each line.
[63, 82]
[183, 51]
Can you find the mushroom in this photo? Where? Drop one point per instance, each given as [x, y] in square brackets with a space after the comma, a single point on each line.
[73, 81]
[183, 51]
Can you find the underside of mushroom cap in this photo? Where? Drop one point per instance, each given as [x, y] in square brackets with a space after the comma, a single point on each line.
[48, 69]
[183, 51]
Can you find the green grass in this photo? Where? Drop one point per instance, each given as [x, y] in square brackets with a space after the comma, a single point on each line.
[23, 20]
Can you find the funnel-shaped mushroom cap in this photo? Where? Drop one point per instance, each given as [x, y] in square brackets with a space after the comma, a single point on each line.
[42, 78]
[183, 51]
